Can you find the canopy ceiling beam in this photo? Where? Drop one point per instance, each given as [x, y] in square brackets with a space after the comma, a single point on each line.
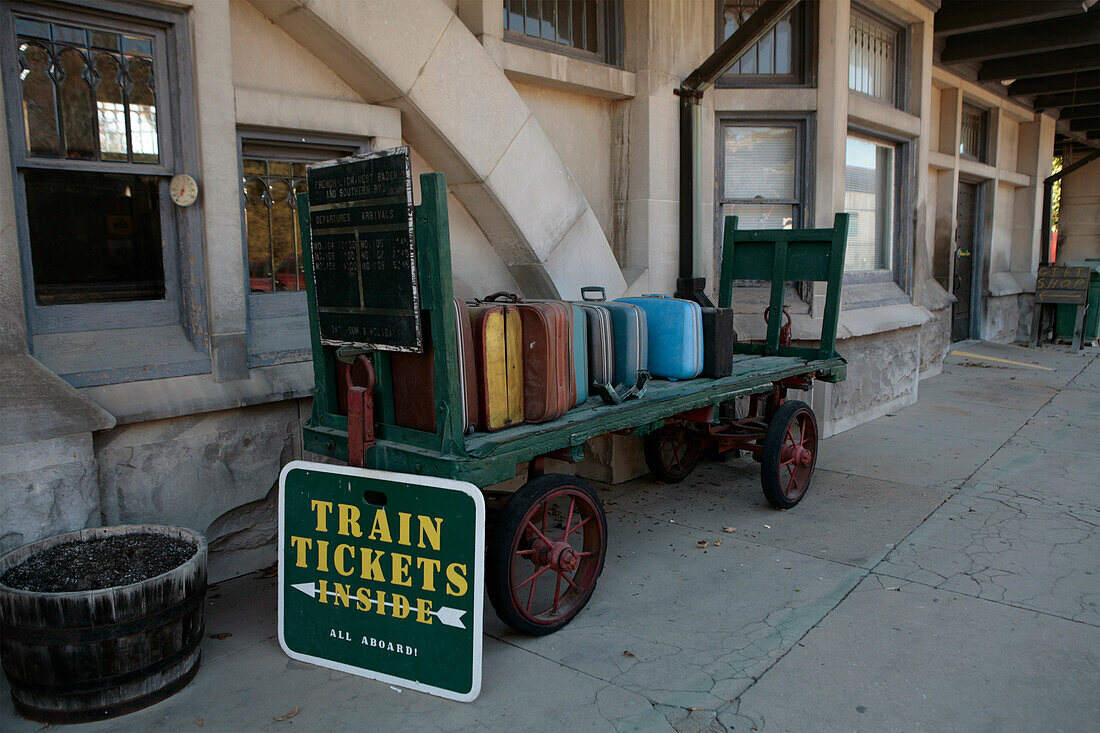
[1049, 35]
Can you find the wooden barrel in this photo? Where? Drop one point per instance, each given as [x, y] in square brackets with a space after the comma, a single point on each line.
[89, 655]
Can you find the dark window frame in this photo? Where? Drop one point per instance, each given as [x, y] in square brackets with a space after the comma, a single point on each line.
[983, 133]
[900, 268]
[185, 302]
[803, 124]
[290, 303]
[803, 52]
[609, 21]
[902, 56]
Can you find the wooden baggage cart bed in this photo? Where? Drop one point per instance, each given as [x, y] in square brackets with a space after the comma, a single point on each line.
[546, 541]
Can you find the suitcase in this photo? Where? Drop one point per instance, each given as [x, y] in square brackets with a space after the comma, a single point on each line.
[675, 335]
[580, 349]
[630, 337]
[601, 342]
[718, 340]
[549, 382]
[580, 354]
[498, 362]
[413, 378]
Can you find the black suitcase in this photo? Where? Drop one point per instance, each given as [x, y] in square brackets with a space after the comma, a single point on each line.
[718, 340]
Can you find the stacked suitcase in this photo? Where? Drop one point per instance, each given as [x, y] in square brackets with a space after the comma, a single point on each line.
[531, 361]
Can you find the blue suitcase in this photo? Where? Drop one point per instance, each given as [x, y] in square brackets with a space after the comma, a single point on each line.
[629, 336]
[580, 353]
[675, 335]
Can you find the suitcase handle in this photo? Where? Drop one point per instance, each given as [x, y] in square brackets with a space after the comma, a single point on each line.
[612, 397]
[502, 295]
[593, 289]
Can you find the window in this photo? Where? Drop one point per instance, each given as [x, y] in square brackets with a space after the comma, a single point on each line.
[874, 58]
[761, 177]
[586, 28]
[273, 172]
[869, 196]
[92, 136]
[778, 58]
[972, 133]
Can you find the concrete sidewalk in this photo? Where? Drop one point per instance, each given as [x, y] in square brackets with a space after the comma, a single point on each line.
[942, 574]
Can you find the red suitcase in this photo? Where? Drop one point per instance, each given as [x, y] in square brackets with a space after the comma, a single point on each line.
[413, 378]
[549, 382]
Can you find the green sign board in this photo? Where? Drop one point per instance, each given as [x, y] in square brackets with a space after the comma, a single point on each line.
[363, 251]
[381, 575]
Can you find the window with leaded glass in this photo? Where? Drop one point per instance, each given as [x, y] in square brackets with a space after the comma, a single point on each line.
[88, 93]
[272, 173]
[869, 196]
[88, 136]
[874, 58]
[776, 59]
[761, 174]
[972, 133]
[585, 28]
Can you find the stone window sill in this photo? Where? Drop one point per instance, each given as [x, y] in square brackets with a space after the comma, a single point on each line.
[558, 71]
[135, 402]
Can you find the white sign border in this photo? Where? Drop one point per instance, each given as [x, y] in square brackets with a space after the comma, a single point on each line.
[479, 574]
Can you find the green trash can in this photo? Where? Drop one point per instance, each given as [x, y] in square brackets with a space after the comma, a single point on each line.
[1066, 315]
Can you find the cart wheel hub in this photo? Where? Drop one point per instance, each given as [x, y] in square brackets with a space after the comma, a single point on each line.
[564, 558]
[560, 556]
[801, 455]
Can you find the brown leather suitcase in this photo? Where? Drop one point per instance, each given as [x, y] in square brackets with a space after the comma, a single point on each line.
[498, 356]
[549, 383]
[413, 378]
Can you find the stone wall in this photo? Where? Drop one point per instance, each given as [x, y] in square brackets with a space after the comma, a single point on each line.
[47, 487]
[883, 371]
[1001, 320]
[935, 340]
[216, 473]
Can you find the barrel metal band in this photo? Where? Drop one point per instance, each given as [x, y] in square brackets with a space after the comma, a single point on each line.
[97, 684]
[99, 713]
[84, 634]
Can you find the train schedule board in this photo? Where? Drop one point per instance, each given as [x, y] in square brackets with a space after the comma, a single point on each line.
[363, 251]
[381, 575]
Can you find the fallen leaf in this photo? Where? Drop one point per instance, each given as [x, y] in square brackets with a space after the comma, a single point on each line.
[718, 542]
[269, 572]
[729, 529]
[767, 526]
[212, 587]
[629, 653]
[219, 637]
[702, 544]
[199, 722]
[289, 715]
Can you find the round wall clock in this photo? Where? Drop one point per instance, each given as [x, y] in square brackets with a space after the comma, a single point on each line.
[183, 189]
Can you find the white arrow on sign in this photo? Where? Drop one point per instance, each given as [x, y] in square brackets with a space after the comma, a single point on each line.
[446, 615]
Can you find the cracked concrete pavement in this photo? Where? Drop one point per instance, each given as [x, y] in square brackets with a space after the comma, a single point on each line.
[942, 574]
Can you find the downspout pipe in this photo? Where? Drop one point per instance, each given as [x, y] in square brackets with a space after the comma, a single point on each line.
[1048, 202]
[691, 284]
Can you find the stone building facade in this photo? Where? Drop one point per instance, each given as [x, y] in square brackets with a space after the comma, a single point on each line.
[172, 390]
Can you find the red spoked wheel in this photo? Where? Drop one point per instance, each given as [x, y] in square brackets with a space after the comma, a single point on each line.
[789, 454]
[546, 554]
[672, 453]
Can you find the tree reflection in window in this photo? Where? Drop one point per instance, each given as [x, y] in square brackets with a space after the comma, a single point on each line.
[87, 94]
[271, 224]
